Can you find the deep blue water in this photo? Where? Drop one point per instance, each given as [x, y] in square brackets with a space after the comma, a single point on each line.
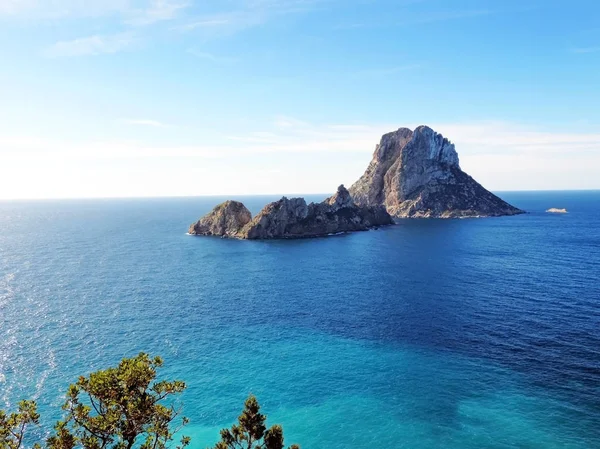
[480, 333]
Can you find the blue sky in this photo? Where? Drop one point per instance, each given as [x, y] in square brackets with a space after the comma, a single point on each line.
[102, 98]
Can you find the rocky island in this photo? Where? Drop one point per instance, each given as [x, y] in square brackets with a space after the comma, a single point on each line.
[291, 218]
[416, 174]
[413, 174]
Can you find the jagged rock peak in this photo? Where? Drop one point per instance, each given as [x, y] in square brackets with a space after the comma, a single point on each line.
[417, 174]
[224, 220]
[275, 218]
[292, 218]
[440, 148]
[341, 199]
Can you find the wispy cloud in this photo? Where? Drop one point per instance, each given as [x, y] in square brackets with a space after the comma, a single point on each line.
[157, 11]
[509, 156]
[289, 134]
[24, 148]
[128, 14]
[247, 14]
[225, 24]
[47, 9]
[503, 137]
[91, 45]
[285, 122]
[500, 155]
[153, 12]
[146, 122]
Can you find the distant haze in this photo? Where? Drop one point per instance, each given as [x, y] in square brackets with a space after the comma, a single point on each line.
[173, 98]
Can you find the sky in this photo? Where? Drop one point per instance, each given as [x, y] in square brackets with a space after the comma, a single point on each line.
[128, 98]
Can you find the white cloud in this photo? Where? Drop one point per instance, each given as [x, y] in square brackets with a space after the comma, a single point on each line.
[91, 45]
[292, 155]
[508, 156]
[290, 135]
[504, 137]
[290, 122]
[27, 148]
[501, 155]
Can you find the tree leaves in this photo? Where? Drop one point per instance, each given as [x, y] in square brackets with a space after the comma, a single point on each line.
[124, 408]
[120, 407]
[251, 432]
[13, 426]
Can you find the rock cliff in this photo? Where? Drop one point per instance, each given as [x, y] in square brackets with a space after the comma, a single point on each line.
[224, 220]
[417, 174]
[292, 218]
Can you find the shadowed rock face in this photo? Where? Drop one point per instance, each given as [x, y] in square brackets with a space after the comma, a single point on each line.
[293, 218]
[417, 174]
[224, 220]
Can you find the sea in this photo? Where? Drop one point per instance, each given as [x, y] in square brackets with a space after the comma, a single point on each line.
[454, 334]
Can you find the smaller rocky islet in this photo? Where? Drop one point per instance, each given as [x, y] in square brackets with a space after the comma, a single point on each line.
[225, 220]
[290, 218]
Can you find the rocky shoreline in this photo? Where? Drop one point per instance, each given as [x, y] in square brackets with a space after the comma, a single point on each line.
[291, 219]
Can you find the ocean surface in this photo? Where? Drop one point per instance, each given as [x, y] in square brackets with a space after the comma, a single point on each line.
[477, 333]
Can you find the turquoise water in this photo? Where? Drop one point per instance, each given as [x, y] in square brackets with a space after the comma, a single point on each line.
[456, 334]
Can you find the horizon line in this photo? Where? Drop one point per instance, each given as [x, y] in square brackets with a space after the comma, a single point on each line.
[290, 195]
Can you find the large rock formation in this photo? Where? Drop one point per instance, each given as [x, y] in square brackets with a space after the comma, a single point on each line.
[293, 218]
[224, 220]
[417, 174]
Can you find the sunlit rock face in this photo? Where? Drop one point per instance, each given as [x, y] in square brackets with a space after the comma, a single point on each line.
[225, 220]
[416, 174]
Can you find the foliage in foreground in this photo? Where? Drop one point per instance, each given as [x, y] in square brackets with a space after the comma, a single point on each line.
[14, 425]
[124, 408]
[251, 431]
[117, 407]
